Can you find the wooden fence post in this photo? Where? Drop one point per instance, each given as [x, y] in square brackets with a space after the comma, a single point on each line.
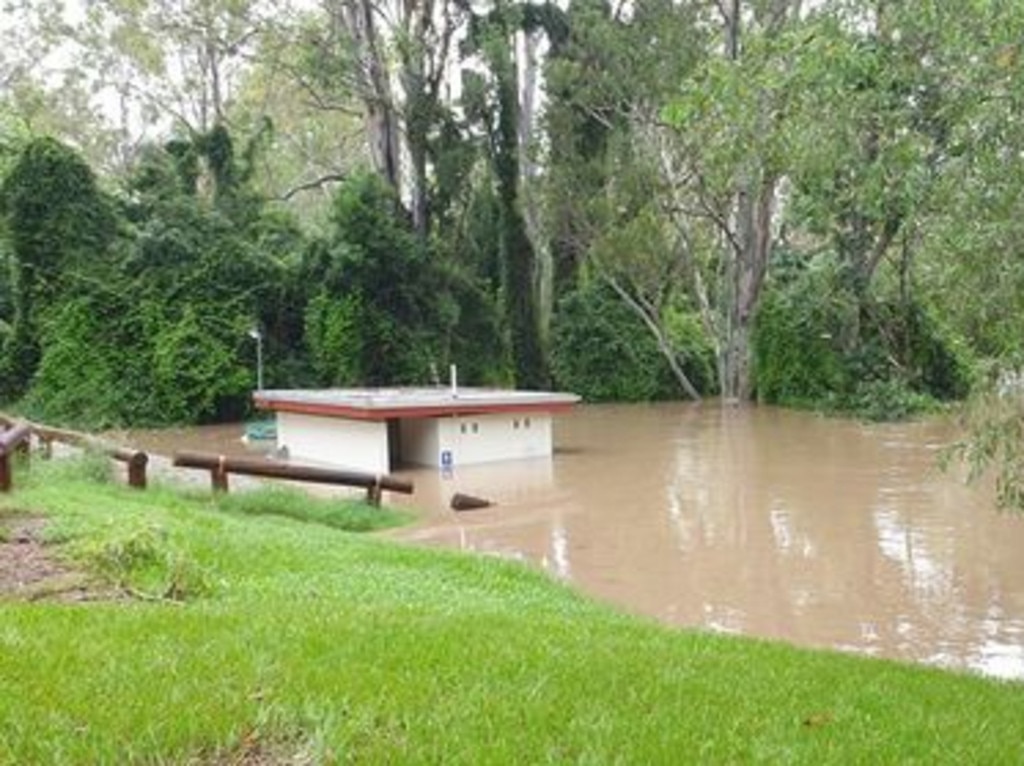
[137, 470]
[219, 475]
[374, 493]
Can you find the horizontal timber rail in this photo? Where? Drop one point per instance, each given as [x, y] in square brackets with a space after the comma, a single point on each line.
[220, 466]
[136, 460]
[15, 437]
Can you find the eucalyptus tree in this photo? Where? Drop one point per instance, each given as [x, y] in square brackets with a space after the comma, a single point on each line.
[182, 57]
[493, 101]
[970, 247]
[30, 32]
[313, 143]
[724, 162]
[394, 59]
[608, 82]
[41, 93]
[160, 65]
[868, 180]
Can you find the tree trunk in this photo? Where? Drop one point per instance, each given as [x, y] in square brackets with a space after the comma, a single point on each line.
[420, 100]
[517, 253]
[653, 324]
[417, 127]
[528, 174]
[753, 208]
[381, 118]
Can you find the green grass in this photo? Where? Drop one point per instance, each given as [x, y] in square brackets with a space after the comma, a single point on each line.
[299, 643]
[295, 504]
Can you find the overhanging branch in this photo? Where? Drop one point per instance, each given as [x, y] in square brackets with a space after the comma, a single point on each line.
[316, 183]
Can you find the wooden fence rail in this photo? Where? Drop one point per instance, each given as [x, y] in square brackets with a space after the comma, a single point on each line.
[19, 433]
[136, 460]
[220, 466]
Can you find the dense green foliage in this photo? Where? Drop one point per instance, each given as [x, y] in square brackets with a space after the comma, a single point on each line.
[382, 315]
[904, 361]
[262, 639]
[817, 206]
[142, 321]
[59, 229]
[602, 351]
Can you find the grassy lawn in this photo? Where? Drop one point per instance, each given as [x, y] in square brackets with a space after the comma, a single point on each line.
[256, 638]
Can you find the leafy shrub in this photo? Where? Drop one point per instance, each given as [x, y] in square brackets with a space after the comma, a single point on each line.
[603, 352]
[994, 442]
[885, 400]
[815, 345]
[333, 339]
[933, 360]
[145, 322]
[194, 372]
[59, 225]
[101, 368]
[795, 356]
[693, 349]
[78, 380]
[375, 278]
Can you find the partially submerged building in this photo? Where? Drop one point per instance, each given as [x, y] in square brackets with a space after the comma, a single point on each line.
[378, 429]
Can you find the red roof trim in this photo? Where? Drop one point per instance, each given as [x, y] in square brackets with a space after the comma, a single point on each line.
[425, 411]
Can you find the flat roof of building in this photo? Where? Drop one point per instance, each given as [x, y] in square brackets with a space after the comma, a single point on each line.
[387, 403]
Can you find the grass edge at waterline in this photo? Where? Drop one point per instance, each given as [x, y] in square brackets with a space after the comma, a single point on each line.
[296, 642]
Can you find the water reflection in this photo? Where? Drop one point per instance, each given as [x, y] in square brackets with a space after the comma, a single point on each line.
[822, 532]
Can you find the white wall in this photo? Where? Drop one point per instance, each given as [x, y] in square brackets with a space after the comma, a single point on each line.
[476, 439]
[361, 445]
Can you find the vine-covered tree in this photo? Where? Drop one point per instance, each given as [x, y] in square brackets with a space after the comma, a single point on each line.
[60, 228]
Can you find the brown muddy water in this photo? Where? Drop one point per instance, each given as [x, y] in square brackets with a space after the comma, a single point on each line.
[818, 531]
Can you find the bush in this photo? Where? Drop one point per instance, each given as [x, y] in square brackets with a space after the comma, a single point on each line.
[333, 339]
[195, 374]
[376, 280]
[59, 226]
[885, 400]
[934, 360]
[77, 381]
[815, 345]
[795, 357]
[602, 351]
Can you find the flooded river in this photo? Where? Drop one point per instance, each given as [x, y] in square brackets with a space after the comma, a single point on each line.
[818, 531]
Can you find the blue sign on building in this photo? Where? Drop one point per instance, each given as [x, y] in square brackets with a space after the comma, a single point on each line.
[446, 458]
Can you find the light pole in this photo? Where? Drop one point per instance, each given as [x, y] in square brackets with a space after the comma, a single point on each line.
[257, 336]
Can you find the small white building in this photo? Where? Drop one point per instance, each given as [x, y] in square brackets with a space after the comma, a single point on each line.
[376, 430]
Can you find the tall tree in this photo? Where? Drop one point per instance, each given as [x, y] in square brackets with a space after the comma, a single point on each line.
[395, 59]
[724, 164]
[609, 79]
[161, 65]
[493, 36]
[863, 179]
